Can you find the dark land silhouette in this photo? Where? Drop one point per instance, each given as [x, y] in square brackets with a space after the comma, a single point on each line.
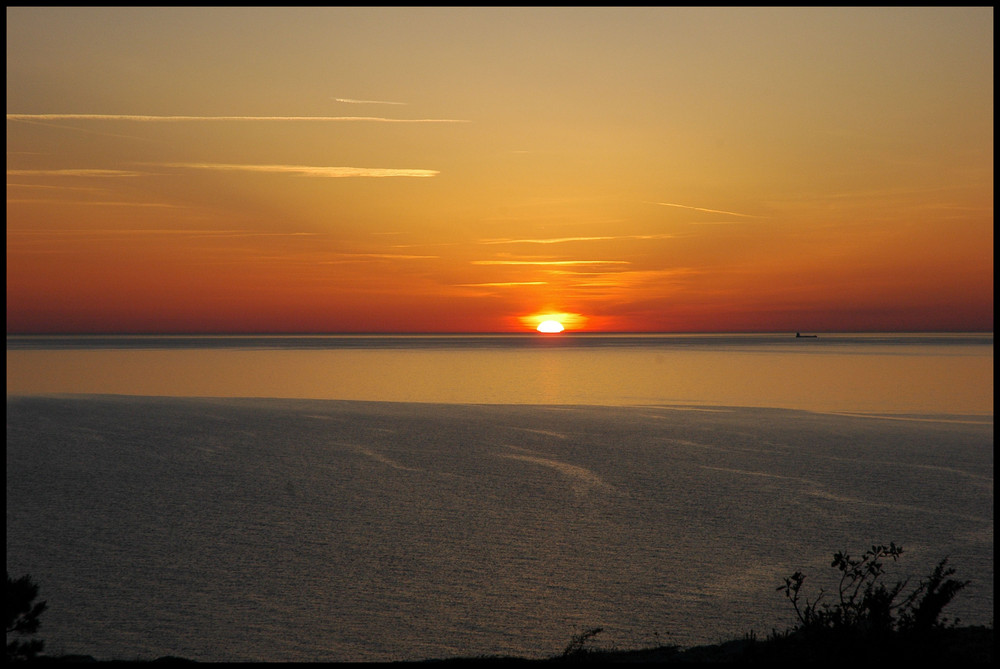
[864, 620]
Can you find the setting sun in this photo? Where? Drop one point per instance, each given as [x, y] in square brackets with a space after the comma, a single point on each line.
[553, 321]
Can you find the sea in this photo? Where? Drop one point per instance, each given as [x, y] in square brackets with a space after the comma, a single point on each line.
[361, 498]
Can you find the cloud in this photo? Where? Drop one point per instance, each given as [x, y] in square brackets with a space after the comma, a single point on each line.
[560, 240]
[308, 170]
[59, 242]
[550, 262]
[78, 129]
[55, 187]
[503, 284]
[156, 231]
[98, 203]
[150, 118]
[347, 258]
[636, 281]
[75, 173]
[367, 102]
[710, 211]
[387, 256]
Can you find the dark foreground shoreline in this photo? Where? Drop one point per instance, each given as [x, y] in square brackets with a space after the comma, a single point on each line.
[964, 645]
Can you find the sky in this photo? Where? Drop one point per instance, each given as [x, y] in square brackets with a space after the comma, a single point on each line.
[341, 170]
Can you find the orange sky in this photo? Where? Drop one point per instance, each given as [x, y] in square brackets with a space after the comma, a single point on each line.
[471, 170]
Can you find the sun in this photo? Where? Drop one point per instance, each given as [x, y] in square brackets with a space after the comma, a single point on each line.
[551, 321]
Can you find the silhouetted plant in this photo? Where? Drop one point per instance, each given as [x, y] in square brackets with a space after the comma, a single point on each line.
[866, 606]
[23, 617]
[578, 643]
[934, 594]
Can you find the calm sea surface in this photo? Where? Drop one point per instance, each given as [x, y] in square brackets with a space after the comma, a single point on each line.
[389, 498]
[838, 372]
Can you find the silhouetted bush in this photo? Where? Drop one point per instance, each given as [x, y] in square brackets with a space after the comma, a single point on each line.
[23, 618]
[866, 606]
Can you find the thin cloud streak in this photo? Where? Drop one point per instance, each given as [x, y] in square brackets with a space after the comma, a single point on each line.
[710, 211]
[551, 262]
[367, 102]
[388, 256]
[78, 129]
[502, 284]
[560, 240]
[75, 173]
[351, 258]
[157, 231]
[60, 187]
[308, 170]
[176, 119]
[98, 203]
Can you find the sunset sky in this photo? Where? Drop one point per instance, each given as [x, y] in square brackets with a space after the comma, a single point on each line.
[482, 169]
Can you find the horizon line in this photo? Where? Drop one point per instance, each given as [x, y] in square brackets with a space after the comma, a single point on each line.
[407, 333]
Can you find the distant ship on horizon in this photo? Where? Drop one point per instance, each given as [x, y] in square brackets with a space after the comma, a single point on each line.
[799, 335]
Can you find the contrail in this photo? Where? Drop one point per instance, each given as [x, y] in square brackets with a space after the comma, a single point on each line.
[75, 173]
[550, 262]
[175, 119]
[560, 240]
[710, 211]
[503, 284]
[307, 170]
[367, 102]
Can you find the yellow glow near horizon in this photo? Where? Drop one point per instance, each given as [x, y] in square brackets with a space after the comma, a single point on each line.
[550, 327]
